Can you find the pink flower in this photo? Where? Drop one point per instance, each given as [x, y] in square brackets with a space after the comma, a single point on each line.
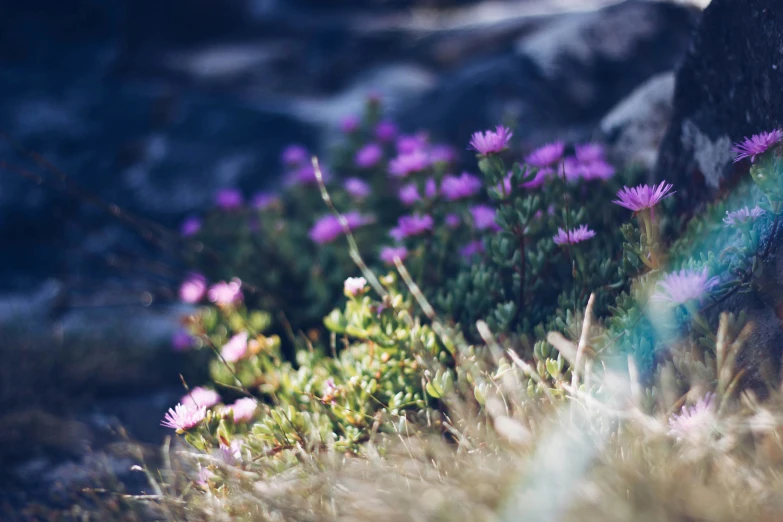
[597, 169]
[693, 422]
[484, 217]
[546, 155]
[353, 286]
[182, 340]
[200, 397]
[472, 248]
[368, 156]
[294, 155]
[328, 228]
[409, 163]
[412, 225]
[232, 454]
[228, 199]
[430, 188]
[389, 253]
[491, 142]
[464, 186]
[386, 131]
[183, 418]
[191, 226]
[540, 178]
[742, 216]
[329, 389]
[407, 144]
[409, 194]
[683, 286]
[453, 221]
[243, 409]
[350, 124]
[226, 294]
[756, 145]
[442, 154]
[235, 348]
[574, 236]
[643, 196]
[589, 152]
[193, 288]
[305, 175]
[264, 200]
[357, 188]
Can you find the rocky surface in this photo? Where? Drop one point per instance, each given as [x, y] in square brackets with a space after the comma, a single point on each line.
[154, 107]
[726, 88]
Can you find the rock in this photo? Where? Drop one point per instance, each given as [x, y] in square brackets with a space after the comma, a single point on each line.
[562, 76]
[727, 87]
[634, 128]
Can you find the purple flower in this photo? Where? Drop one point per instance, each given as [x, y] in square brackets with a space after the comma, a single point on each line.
[200, 397]
[453, 221]
[742, 216]
[484, 217]
[597, 169]
[231, 454]
[357, 188]
[190, 226]
[264, 200]
[756, 145]
[182, 340]
[589, 152]
[386, 131]
[491, 142]
[183, 418]
[328, 228]
[350, 124]
[204, 475]
[329, 390]
[409, 194]
[368, 156]
[388, 254]
[683, 286]
[305, 175]
[693, 422]
[193, 288]
[408, 163]
[540, 178]
[294, 155]
[574, 236]
[472, 248]
[643, 196]
[412, 225]
[226, 294]
[430, 188]
[442, 154]
[235, 348]
[464, 186]
[354, 286]
[546, 155]
[228, 199]
[243, 409]
[407, 144]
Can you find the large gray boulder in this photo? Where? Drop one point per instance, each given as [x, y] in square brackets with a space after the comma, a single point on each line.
[727, 87]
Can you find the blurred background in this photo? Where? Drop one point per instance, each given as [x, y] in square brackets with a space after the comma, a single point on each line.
[121, 118]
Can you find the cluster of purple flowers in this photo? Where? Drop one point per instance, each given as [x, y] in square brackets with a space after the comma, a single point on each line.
[588, 163]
